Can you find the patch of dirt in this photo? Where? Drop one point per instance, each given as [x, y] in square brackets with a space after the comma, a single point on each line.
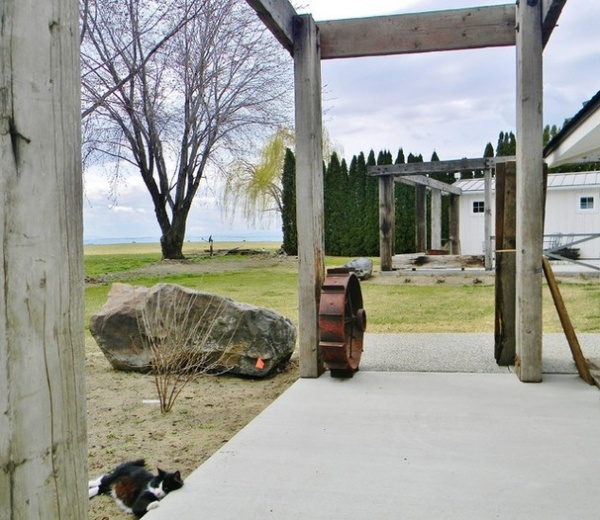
[125, 422]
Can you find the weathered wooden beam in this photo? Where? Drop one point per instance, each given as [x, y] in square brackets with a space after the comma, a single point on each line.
[421, 180]
[470, 28]
[457, 165]
[420, 219]
[436, 219]
[42, 345]
[454, 224]
[278, 16]
[309, 192]
[551, 10]
[488, 219]
[530, 185]
[386, 222]
[504, 322]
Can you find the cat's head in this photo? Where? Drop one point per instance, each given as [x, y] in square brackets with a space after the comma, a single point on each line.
[169, 481]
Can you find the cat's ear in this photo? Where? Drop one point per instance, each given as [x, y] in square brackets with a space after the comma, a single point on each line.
[177, 476]
[161, 472]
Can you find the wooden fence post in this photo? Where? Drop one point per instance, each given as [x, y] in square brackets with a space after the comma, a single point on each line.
[436, 219]
[386, 221]
[42, 360]
[309, 191]
[421, 218]
[454, 210]
[530, 185]
[504, 328]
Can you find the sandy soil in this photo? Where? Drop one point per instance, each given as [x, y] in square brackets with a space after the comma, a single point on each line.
[125, 422]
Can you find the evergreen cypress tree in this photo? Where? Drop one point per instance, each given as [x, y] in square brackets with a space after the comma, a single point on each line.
[288, 215]
[370, 228]
[405, 213]
[335, 193]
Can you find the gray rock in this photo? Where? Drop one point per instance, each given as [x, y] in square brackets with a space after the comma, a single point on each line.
[247, 340]
[363, 267]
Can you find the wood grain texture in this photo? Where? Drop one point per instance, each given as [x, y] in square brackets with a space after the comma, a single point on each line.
[42, 365]
[470, 28]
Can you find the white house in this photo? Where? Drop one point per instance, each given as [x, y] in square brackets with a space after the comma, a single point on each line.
[572, 208]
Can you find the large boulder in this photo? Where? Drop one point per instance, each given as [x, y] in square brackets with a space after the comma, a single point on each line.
[137, 322]
[362, 267]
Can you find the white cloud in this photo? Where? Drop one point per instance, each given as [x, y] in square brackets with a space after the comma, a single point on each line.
[451, 102]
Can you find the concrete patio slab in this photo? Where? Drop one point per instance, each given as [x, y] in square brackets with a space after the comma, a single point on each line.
[406, 445]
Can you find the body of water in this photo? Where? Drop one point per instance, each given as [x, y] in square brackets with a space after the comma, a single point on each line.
[250, 236]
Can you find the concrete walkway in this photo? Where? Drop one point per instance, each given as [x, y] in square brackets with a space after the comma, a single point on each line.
[422, 444]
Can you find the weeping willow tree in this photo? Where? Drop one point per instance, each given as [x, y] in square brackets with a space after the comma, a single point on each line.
[255, 189]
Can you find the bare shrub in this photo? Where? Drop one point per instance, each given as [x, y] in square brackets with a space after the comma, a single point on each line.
[183, 344]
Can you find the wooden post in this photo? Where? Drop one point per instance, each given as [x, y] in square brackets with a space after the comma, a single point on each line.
[420, 218]
[504, 328]
[488, 219]
[454, 209]
[42, 359]
[309, 191]
[386, 221]
[561, 309]
[529, 191]
[436, 219]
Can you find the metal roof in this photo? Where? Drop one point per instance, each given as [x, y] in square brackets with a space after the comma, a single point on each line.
[579, 139]
[555, 180]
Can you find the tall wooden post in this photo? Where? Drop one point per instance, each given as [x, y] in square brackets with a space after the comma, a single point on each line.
[420, 218]
[488, 219]
[386, 221]
[436, 219]
[42, 360]
[309, 190]
[454, 210]
[504, 326]
[530, 186]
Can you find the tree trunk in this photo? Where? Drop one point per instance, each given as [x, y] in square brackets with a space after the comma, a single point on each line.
[171, 241]
[42, 358]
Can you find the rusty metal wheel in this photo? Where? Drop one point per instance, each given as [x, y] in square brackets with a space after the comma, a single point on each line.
[342, 322]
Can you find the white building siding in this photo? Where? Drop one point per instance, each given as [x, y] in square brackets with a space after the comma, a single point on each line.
[567, 193]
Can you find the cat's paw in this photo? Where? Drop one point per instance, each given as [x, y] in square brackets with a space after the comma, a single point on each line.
[93, 491]
[152, 505]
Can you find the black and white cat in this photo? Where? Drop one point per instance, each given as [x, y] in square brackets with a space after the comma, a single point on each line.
[134, 488]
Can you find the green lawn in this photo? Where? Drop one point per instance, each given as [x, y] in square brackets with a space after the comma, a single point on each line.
[390, 307]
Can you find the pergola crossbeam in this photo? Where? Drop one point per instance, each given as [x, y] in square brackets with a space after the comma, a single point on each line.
[421, 180]
[551, 10]
[278, 17]
[471, 28]
[458, 165]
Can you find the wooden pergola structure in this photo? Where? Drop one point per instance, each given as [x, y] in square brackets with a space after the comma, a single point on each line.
[526, 25]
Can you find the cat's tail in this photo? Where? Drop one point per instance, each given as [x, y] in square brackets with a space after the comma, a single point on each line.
[139, 463]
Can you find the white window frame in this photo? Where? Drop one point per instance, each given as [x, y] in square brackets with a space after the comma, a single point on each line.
[478, 204]
[589, 198]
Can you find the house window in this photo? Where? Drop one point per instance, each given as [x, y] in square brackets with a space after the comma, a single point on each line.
[478, 206]
[586, 202]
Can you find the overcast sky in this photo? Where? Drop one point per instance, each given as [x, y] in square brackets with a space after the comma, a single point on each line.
[451, 102]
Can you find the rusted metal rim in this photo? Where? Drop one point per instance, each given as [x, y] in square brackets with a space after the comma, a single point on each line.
[342, 322]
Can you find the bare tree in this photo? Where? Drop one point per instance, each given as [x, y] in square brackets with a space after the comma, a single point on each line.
[171, 86]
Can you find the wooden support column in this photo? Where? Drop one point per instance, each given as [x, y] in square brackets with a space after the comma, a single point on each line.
[309, 191]
[43, 437]
[386, 221]
[420, 218]
[506, 204]
[529, 191]
[454, 209]
[488, 219]
[436, 219]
